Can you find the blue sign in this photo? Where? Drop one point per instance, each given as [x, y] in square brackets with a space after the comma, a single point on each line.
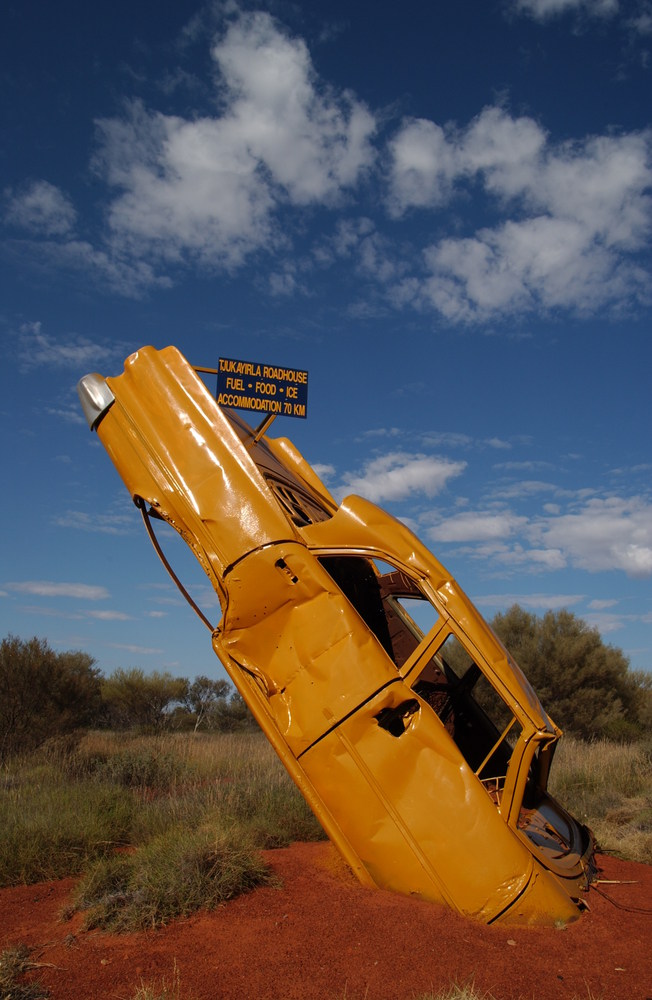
[248, 385]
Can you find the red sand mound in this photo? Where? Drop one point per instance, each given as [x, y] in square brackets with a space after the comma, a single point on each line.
[323, 937]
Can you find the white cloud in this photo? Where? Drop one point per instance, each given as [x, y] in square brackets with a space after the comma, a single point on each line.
[48, 588]
[399, 474]
[347, 236]
[446, 439]
[549, 558]
[115, 518]
[188, 187]
[542, 10]
[374, 254]
[277, 106]
[41, 208]
[594, 534]
[535, 559]
[606, 623]
[495, 148]
[538, 602]
[580, 211]
[641, 22]
[37, 349]
[423, 166]
[282, 283]
[605, 534]
[539, 263]
[498, 443]
[136, 650]
[380, 432]
[71, 416]
[112, 269]
[523, 488]
[529, 465]
[323, 470]
[480, 526]
[565, 226]
[602, 184]
[207, 188]
[109, 616]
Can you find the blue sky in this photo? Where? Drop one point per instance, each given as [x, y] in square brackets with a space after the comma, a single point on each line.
[441, 211]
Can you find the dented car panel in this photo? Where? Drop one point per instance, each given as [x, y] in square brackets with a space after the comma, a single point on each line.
[415, 738]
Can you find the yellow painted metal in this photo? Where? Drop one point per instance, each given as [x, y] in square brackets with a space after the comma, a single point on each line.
[386, 742]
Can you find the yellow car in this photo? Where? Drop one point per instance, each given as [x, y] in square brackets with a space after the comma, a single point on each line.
[413, 735]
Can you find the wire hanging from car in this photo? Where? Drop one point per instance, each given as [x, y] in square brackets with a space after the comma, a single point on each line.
[620, 906]
[140, 503]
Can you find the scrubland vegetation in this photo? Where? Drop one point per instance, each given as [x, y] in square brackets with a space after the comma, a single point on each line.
[156, 825]
[125, 809]
[608, 786]
[159, 793]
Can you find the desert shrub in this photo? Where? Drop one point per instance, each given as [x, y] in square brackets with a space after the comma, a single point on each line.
[609, 787]
[15, 964]
[174, 875]
[149, 767]
[455, 992]
[43, 693]
[132, 698]
[74, 800]
[585, 685]
[258, 793]
[166, 990]
[50, 827]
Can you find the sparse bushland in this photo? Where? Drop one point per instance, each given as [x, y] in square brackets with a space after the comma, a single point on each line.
[165, 990]
[76, 799]
[69, 799]
[586, 686]
[15, 964]
[75, 802]
[172, 876]
[608, 786]
[51, 827]
[453, 992]
[43, 693]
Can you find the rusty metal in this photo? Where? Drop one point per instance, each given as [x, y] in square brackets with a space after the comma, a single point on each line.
[411, 732]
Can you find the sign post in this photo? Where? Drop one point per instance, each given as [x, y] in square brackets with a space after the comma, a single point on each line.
[250, 385]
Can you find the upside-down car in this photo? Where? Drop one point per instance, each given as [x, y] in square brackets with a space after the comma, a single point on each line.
[413, 735]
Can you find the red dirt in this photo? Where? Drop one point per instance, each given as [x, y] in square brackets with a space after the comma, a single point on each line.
[321, 936]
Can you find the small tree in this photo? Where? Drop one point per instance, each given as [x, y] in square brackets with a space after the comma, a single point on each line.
[206, 698]
[133, 698]
[236, 715]
[43, 693]
[585, 685]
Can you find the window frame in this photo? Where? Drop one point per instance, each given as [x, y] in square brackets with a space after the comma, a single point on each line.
[528, 740]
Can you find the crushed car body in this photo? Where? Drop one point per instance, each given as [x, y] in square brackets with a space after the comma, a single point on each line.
[415, 738]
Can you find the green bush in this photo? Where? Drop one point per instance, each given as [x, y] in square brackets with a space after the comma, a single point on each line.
[50, 828]
[585, 685]
[166, 990]
[609, 787]
[174, 875]
[43, 693]
[74, 800]
[14, 965]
